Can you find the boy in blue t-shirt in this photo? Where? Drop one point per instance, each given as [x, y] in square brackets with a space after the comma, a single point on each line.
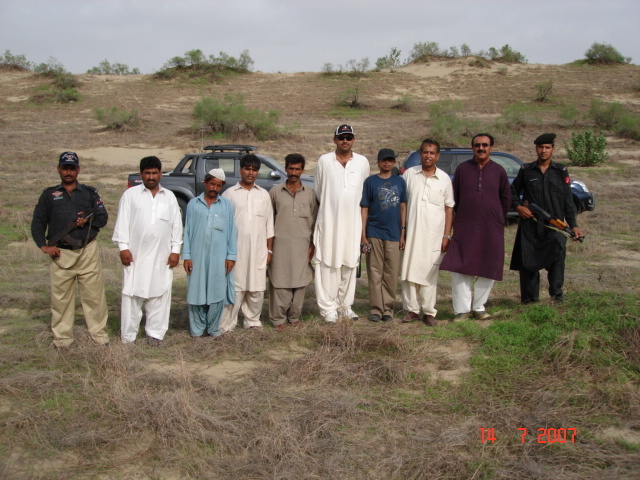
[384, 214]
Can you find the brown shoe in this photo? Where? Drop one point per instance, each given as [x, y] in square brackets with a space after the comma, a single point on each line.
[410, 317]
[281, 327]
[481, 315]
[429, 320]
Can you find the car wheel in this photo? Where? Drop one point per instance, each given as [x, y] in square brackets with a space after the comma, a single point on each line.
[182, 203]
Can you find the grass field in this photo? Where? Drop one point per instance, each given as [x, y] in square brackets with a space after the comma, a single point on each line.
[352, 401]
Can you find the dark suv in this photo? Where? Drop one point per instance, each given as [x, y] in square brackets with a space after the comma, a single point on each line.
[185, 180]
[450, 158]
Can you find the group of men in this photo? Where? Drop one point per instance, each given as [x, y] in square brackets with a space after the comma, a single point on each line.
[294, 234]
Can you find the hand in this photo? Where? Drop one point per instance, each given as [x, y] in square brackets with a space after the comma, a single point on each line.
[174, 259]
[269, 257]
[402, 240]
[188, 266]
[80, 221]
[578, 233]
[524, 212]
[365, 246]
[228, 266]
[53, 252]
[126, 258]
[445, 244]
[312, 250]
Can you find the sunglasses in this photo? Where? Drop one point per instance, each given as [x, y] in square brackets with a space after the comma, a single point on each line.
[345, 137]
[478, 145]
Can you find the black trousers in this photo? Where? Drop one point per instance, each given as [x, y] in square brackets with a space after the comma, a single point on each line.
[530, 281]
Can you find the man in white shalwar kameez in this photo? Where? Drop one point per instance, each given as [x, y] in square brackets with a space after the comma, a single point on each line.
[429, 219]
[148, 233]
[254, 223]
[339, 178]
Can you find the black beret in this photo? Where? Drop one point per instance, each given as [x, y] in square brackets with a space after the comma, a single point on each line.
[545, 139]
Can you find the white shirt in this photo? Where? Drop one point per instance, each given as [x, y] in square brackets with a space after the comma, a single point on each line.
[254, 222]
[151, 228]
[426, 200]
[339, 224]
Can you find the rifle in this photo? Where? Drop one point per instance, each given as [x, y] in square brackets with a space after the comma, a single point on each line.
[68, 239]
[544, 217]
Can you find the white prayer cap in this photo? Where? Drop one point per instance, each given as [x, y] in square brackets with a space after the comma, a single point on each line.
[218, 173]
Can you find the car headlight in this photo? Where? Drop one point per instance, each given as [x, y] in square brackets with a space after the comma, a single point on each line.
[582, 185]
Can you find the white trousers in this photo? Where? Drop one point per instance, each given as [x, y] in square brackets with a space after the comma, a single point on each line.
[156, 310]
[251, 305]
[416, 298]
[335, 288]
[464, 299]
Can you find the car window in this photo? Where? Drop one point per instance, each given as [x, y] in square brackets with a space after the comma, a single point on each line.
[188, 165]
[509, 164]
[265, 170]
[444, 162]
[228, 165]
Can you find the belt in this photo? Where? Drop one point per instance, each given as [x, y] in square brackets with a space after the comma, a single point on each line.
[71, 247]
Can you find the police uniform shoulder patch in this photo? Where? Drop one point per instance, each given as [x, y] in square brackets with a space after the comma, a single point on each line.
[56, 193]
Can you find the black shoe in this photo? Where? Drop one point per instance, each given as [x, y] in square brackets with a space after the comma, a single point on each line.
[559, 297]
[387, 318]
[374, 317]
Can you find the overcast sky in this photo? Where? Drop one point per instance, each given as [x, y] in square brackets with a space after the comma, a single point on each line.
[303, 35]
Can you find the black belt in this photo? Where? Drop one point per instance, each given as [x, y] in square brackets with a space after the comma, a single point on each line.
[71, 247]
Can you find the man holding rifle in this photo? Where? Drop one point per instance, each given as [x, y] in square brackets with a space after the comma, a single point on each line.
[540, 242]
[71, 214]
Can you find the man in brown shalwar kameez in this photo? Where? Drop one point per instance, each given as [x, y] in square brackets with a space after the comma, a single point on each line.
[295, 208]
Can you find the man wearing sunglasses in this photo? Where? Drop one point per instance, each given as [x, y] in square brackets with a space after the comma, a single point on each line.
[339, 178]
[475, 257]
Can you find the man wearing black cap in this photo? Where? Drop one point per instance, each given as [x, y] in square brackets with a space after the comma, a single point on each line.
[384, 214]
[548, 185]
[338, 187]
[71, 214]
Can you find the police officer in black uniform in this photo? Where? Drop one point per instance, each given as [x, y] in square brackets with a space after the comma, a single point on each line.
[71, 214]
[548, 185]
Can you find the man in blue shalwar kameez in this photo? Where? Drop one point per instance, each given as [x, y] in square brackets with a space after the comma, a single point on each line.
[209, 253]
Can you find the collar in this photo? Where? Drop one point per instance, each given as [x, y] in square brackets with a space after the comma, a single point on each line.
[201, 198]
[237, 186]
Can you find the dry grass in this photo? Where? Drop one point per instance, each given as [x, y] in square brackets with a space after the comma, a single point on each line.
[353, 401]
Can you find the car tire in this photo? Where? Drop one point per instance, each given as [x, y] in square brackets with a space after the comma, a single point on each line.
[182, 203]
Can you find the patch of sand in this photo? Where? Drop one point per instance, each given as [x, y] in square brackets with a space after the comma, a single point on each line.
[624, 434]
[450, 361]
[131, 155]
[442, 69]
[18, 99]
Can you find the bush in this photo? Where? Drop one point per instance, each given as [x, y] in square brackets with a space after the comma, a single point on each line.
[52, 68]
[15, 62]
[606, 115]
[506, 55]
[350, 98]
[481, 62]
[543, 90]
[502, 71]
[605, 54]
[569, 115]
[107, 68]
[628, 127]
[66, 95]
[586, 149]
[444, 107]
[452, 131]
[518, 116]
[391, 61]
[404, 103]
[231, 116]
[65, 81]
[195, 62]
[116, 118]
[357, 69]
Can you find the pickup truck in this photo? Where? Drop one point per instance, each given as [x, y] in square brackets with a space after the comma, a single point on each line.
[185, 180]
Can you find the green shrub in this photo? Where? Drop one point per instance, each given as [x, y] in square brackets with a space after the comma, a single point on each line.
[52, 68]
[605, 54]
[65, 81]
[195, 63]
[66, 95]
[107, 68]
[452, 131]
[116, 118]
[606, 115]
[350, 98]
[444, 107]
[518, 116]
[569, 115]
[586, 149]
[391, 61]
[481, 62]
[502, 70]
[506, 55]
[404, 103]
[628, 127]
[543, 90]
[15, 62]
[231, 116]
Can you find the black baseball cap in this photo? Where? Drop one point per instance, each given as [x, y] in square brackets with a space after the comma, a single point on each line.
[69, 158]
[344, 130]
[386, 153]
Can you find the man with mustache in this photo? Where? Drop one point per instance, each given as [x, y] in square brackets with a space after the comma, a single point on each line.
[148, 233]
[295, 208]
[71, 214]
[254, 222]
[475, 257]
[338, 183]
[209, 254]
